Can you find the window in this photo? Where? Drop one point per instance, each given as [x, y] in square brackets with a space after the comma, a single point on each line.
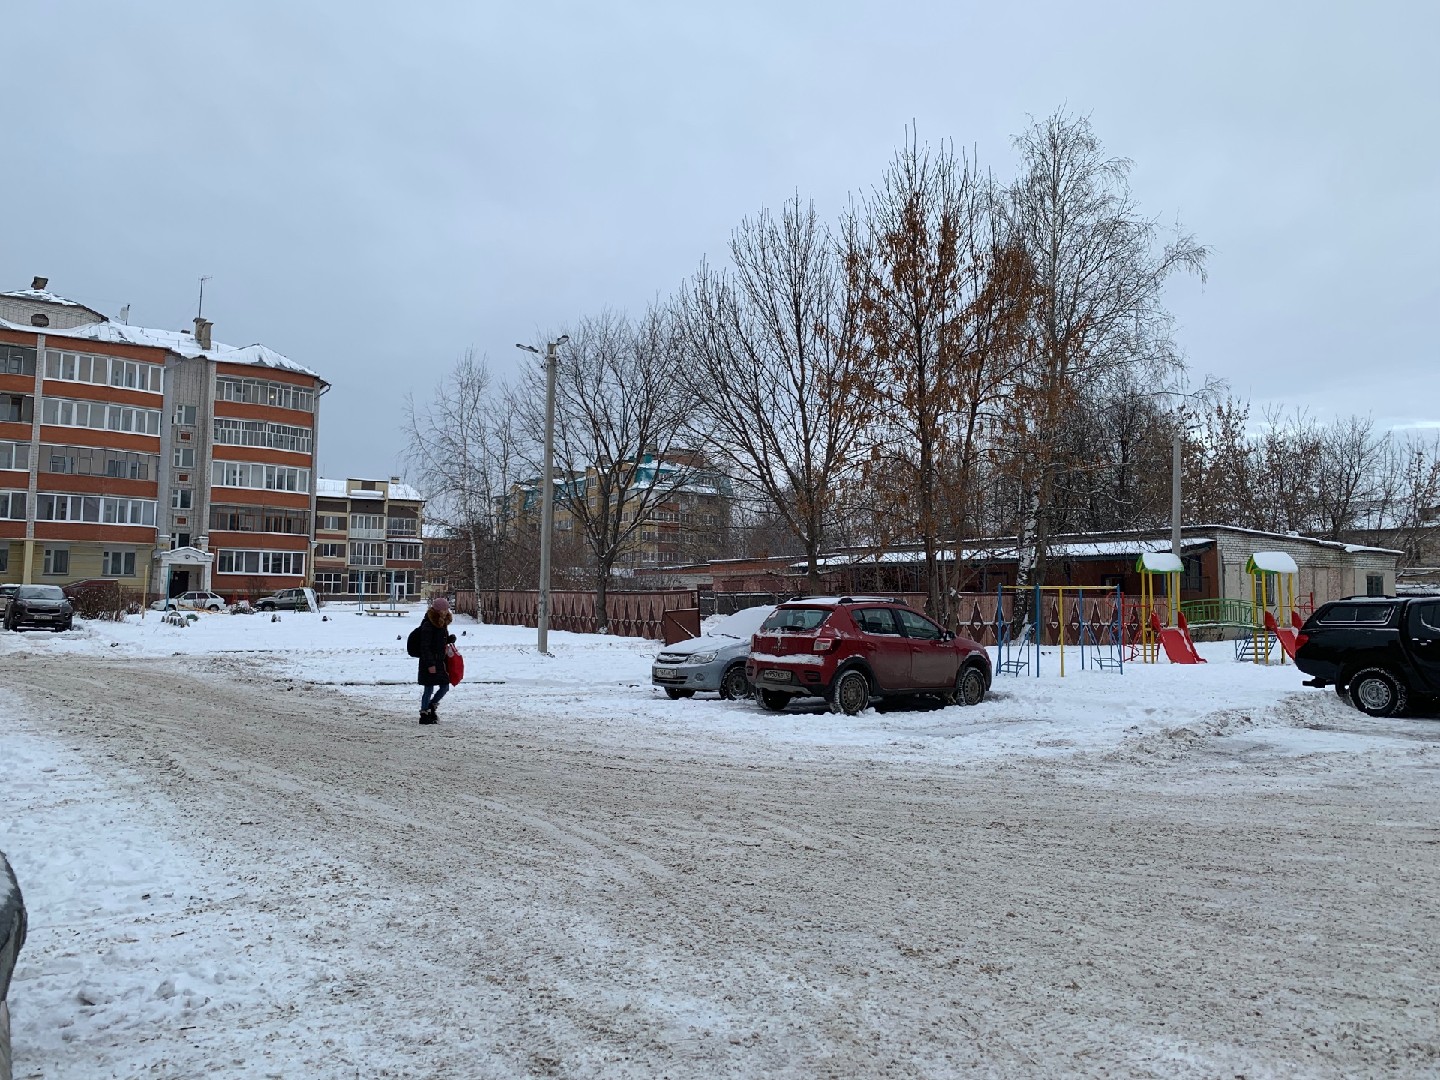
[265, 392]
[180, 498]
[103, 370]
[117, 564]
[260, 433]
[12, 506]
[330, 522]
[403, 526]
[17, 408]
[403, 552]
[96, 508]
[372, 525]
[876, 621]
[795, 619]
[63, 412]
[1424, 621]
[330, 583]
[185, 415]
[1374, 584]
[917, 626]
[4, 558]
[14, 455]
[16, 360]
[1359, 613]
[183, 457]
[282, 563]
[329, 551]
[96, 461]
[1191, 578]
[367, 554]
[57, 561]
[179, 540]
[262, 477]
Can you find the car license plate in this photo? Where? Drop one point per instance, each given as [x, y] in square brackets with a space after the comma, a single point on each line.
[771, 675]
[665, 673]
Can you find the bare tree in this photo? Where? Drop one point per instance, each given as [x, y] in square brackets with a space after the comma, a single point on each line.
[1100, 269]
[462, 447]
[619, 410]
[774, 371]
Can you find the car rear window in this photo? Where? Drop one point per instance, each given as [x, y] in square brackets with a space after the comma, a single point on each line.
[795, 619]
[1359, 613]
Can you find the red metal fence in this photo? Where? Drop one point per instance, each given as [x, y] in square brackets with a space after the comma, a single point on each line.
[628, 614]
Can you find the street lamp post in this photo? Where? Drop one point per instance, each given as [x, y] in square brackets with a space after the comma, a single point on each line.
[547, 490]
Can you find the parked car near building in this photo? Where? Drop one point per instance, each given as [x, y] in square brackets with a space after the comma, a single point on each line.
[715, 661]
[289, 600]
[40, 605]
[849, 650]
[197, 601]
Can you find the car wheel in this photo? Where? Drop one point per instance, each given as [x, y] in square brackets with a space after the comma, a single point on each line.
[970, 686]
[1376, 692]
[214, 607]
[850, 693]
[774, 700]
[733, 684]
[673, 694]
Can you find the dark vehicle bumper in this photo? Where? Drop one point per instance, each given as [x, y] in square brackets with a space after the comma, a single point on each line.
[801, 680]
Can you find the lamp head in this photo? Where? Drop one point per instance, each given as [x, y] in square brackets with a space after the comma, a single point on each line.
[562, 339]
[528, 348]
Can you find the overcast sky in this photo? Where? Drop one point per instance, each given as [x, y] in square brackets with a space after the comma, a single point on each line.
[373, 188]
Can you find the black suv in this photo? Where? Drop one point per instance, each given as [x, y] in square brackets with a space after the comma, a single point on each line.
[1382, 651]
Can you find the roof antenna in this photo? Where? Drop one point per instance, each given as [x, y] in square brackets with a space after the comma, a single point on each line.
[125, 314]
[200, 308]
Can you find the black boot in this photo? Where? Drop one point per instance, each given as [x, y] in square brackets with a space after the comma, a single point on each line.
[427, 716]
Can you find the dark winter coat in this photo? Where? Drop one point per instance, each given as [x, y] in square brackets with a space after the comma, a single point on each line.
[433, 640]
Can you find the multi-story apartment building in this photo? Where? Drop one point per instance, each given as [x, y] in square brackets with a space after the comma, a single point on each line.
[159, 459]
[367, 537]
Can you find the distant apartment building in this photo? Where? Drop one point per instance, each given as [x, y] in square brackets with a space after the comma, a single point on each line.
[686, 513]
[368, 538]
[446, 561]
[159, 459]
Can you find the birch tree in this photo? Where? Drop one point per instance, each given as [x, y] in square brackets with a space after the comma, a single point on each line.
[1100, 268]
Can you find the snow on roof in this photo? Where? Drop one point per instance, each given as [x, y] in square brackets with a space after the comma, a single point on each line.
[43, 297]
[180, 342]
[1272, 562]
[335, 489]
[1005, 549]
[1160, 562]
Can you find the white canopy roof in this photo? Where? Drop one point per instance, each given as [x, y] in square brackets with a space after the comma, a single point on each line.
[1274, 562]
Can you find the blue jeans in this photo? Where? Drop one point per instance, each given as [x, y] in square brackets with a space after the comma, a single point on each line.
[432, 695]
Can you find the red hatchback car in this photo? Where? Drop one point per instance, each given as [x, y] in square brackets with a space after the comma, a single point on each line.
[850, 649]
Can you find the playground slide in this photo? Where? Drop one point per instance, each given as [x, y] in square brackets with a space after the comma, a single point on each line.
[1285, 637]
[1179, 648]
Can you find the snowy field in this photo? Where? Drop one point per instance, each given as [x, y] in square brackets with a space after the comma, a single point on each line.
[242, 857]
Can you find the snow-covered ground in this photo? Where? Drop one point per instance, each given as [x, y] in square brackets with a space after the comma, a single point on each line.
[242, 857]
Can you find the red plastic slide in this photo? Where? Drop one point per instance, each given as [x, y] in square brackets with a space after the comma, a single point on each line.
[1179, 648]
[1285, 637]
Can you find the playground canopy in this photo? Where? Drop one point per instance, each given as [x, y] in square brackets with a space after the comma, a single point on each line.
[1271, 562]
[1159, 562]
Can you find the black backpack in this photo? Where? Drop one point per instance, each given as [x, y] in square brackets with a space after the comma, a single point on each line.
[412, 643]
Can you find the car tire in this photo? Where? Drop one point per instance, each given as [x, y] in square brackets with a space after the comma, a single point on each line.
[850, 693]
[733, 684]
[1377, 692]
[773, 700]
[675, 694]
[969, 686]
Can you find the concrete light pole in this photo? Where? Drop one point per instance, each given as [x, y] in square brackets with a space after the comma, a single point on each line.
[547, 490]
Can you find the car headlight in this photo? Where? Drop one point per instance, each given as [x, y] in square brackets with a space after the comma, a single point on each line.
[703, 658]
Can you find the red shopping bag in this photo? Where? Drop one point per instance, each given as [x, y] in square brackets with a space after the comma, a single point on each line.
[454, 665]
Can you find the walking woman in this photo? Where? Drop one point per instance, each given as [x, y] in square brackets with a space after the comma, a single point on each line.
[434, 636]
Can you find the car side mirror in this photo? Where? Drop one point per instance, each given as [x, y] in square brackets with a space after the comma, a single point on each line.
[947, 635]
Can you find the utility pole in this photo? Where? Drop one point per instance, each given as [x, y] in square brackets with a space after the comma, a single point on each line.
[547, 490]
[1175, 489]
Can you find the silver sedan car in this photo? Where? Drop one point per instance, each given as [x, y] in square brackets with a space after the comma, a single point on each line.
[715, 661]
